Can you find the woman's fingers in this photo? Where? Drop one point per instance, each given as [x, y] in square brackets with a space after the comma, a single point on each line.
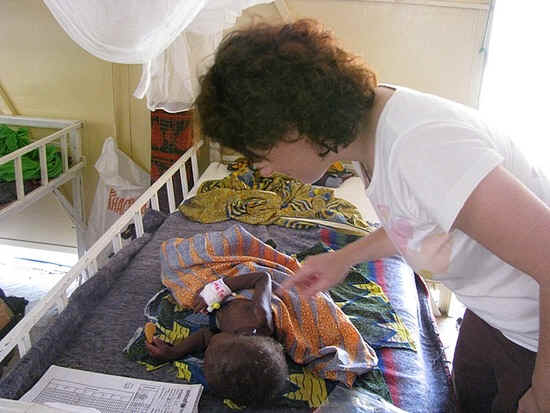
[303, 278]
[306, 281]
[315, 286]
[318, 273]
[309, 285]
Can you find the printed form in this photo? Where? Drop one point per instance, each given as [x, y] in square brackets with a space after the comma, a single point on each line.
[113, 394]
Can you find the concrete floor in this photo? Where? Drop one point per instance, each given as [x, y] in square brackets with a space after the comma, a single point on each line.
[449, 326]
[449, 333]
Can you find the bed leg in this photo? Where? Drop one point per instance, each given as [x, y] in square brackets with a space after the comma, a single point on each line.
[78, 211]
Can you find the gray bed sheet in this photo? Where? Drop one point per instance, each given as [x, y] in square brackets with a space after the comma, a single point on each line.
[106, 311]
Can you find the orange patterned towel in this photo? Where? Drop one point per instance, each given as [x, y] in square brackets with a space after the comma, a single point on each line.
[314, 331]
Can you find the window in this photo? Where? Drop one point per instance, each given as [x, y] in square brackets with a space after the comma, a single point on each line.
[516, 85]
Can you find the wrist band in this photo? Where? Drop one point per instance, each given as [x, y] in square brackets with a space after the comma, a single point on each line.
[214, 293]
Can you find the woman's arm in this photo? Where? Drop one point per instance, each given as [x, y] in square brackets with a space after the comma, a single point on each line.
[372, 247]
[261, 283]
[501, 202]
[195, 343]
[320, 272]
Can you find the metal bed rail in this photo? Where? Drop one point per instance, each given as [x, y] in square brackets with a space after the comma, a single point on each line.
[69, 139]
[87, 266]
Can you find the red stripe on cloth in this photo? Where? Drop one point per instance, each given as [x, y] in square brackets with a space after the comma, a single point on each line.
[380, 275]
[325, 236]
[390, 375]
[386, 354]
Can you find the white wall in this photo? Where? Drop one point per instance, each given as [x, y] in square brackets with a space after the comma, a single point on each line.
[46, 74]
[433, 48]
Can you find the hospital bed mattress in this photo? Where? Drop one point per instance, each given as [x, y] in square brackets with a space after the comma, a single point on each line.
[104, 313]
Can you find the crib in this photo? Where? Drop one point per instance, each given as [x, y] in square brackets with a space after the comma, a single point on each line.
[67, 137]
[414, 305]
[87, 266]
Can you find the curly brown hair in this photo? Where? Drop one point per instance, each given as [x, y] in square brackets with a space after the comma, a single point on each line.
[251, 370]
[270, 80]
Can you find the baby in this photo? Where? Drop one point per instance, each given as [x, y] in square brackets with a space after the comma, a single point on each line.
[241, 359]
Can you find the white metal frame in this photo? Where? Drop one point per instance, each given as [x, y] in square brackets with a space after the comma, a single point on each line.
[87, 266]
[69, 139]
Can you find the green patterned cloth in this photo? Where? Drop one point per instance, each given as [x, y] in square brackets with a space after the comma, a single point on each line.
[366, 305]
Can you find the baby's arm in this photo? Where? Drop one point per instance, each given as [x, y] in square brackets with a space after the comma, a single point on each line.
[261, 283]
[196, 342]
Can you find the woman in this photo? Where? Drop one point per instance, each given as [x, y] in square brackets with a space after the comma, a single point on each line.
[456, 198]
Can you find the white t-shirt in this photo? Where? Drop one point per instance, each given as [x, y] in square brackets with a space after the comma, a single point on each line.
[430, 154]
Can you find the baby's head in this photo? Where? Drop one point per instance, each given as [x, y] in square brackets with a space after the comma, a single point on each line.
[246, 369]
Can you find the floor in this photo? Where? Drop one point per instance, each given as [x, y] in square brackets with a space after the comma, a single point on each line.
[448, 329]
[31, 273]
[449, 323]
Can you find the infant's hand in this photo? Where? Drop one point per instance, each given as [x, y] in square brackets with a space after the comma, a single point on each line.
[160, 350]
[199, 305]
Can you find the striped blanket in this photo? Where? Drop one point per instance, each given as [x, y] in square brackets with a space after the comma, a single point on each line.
[314, 331]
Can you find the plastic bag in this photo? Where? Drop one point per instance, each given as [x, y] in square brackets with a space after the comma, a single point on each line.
[344, 400]
[121, 182]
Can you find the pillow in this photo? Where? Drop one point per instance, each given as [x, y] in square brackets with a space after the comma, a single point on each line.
[353, 190]
[335, 175]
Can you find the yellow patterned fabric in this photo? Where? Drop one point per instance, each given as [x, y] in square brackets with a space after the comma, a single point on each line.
[311, 389]
[248, 197]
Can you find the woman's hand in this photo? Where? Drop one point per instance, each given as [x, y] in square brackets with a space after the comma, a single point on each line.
[161, 350]
[323, 271]
[319, 273]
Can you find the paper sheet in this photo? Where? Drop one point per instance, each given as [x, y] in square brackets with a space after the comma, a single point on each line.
[113, 394]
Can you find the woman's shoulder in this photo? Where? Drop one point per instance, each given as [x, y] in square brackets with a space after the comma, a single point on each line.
[410, 107]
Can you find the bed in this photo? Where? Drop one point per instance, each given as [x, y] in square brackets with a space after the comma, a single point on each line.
[104, 312]
[66, 137]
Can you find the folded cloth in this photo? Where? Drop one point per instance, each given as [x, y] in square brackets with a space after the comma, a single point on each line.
[248, 197]
[335, 175]
[313, 331]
